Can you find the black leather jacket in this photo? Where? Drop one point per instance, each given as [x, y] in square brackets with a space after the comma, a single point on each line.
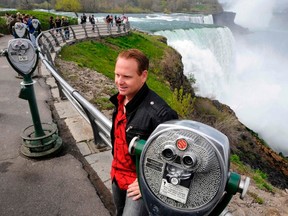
[144, 113]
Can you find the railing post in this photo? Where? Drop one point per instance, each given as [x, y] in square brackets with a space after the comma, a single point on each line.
[45, 51]
[62, 35]
[49, 42]
[86, 34]
[60, 90]
[98, 31]
[95, 130]
[55, 39]
[73, 32]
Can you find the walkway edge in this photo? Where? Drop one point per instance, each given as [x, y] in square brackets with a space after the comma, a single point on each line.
[80, 129]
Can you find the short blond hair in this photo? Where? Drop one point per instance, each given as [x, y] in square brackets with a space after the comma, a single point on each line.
[138, 56]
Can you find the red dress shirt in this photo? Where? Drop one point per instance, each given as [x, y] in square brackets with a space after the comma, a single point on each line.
[123, 168]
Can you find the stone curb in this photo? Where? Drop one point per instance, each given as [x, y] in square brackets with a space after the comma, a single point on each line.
[81, 131]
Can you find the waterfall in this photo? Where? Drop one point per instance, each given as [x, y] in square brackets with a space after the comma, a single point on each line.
[247, 74]
[207, 55]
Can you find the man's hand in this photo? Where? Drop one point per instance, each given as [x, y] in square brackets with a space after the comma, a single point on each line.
[134, 190]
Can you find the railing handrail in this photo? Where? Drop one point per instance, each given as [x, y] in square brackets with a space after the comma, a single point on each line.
[48, 42]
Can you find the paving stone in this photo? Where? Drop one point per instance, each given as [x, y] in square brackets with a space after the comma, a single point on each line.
[101, 163]
[79, 128]
[51, 82]
[66, 110]
[84, 148]
[55, 93]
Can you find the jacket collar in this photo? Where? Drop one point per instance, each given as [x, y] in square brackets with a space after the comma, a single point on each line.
[136, 100]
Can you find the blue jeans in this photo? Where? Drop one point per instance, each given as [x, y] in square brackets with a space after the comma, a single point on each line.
[125, 206]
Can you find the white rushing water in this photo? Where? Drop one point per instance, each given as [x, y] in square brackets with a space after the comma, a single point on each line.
[206, 54]
[247, 73]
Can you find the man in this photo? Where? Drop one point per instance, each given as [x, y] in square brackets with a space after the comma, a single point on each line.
[65, 24]
[58, 24]
[92, 21]
[138, 111]
[83, 20]
[12, 23]
[32, 22]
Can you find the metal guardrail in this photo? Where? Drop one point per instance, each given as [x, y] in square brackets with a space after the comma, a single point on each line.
[49, 42]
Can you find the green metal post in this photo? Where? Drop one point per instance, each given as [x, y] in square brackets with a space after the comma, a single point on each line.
[44, 139]
[138, 150]
[28, 93]
[40, 142]
[231, 189]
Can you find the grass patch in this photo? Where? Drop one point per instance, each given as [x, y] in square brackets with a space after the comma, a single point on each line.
[103, 103]
[260, 179]
[256, 198]
[258, 176]
[240, 166]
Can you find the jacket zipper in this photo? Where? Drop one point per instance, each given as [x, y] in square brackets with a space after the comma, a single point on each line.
[129, 128]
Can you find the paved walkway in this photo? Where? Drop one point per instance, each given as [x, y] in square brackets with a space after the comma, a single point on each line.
[52, 186]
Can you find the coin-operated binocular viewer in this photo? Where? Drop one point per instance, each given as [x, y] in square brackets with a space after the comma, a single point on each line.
[37, 27]
[183, 169]
[20, 30]
[38, 139]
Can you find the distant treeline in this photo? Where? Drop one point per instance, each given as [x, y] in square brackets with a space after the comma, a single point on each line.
[123, 6]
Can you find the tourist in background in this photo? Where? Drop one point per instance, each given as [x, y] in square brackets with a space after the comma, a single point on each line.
[58, 24]
[52, 24]
[65, 24]
[83, 20]
[11, 24]
[92, 21]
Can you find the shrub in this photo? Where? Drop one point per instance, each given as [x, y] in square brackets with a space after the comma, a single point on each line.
[3, 27]
[257, 175]
[260, 179]
[235, 159]
[182, 103]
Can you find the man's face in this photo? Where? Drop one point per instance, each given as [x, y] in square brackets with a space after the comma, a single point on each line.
[127, 80]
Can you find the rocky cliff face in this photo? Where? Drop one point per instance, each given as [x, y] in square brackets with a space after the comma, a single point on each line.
[243, 141]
